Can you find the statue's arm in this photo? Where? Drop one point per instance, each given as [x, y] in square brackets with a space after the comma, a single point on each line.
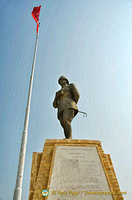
[55, 105]
[75, 92]
[56, 99]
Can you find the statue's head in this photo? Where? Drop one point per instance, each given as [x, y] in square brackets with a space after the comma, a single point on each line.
[62, 79]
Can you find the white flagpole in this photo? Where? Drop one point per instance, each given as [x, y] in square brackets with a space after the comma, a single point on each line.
[18, 188]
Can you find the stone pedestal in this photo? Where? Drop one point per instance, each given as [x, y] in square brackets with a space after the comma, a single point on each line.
[73, 170]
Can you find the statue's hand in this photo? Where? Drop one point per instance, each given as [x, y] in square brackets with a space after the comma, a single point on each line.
[60, 92]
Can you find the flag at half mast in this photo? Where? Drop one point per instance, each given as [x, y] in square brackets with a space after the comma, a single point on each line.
[35, 14]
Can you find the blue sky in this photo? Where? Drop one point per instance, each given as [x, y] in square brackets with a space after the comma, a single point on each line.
[88, 41]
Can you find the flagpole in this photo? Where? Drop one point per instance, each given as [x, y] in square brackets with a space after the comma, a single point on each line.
[19, 179]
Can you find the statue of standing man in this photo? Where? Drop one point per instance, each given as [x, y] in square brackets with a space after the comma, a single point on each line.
[66, 101]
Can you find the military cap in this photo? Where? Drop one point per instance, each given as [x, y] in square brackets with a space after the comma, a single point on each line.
[63, 77]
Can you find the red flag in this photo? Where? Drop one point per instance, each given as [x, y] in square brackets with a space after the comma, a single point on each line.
[35, 14]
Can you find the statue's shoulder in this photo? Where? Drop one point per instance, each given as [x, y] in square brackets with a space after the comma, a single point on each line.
[72, 86]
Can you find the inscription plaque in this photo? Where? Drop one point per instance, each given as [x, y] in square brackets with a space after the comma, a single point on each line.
[77, 173]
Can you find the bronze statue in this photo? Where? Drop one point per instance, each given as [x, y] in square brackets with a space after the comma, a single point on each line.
[66, 101]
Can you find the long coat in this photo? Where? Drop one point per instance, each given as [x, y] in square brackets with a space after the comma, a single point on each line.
[65, 98]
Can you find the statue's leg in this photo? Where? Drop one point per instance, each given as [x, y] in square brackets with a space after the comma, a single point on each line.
[65, 121]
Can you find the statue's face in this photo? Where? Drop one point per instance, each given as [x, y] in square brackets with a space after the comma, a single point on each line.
[63, 82]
